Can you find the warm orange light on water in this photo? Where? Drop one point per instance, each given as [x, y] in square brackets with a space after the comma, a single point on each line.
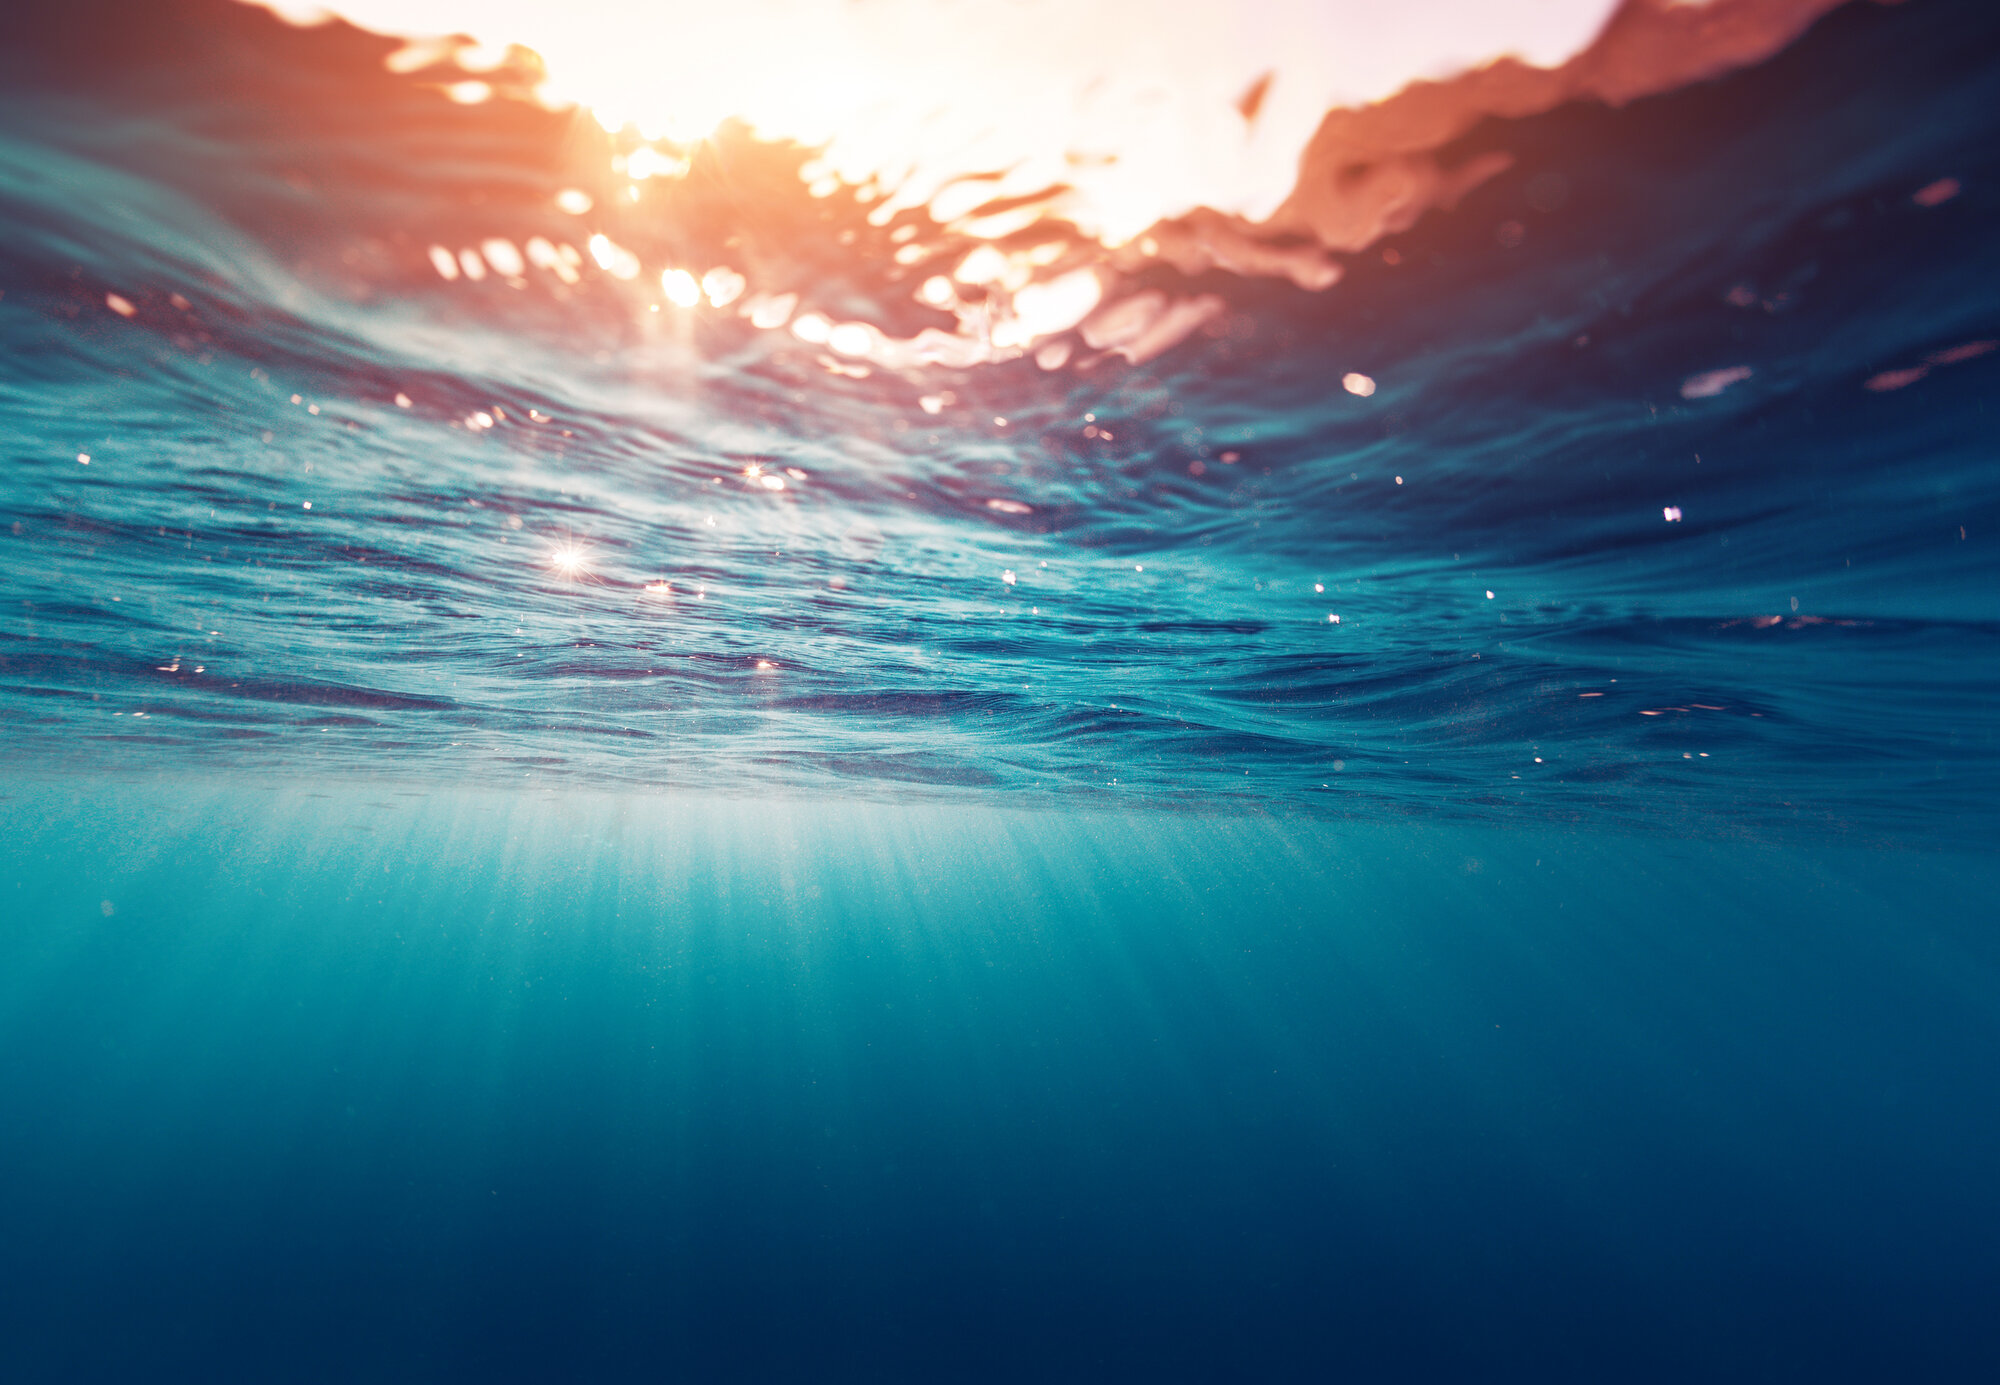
[1135, 110]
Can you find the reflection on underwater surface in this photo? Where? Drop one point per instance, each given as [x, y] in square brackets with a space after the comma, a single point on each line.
[281, 498]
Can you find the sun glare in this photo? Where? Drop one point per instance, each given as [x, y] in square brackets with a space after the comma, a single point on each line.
[1117, 113]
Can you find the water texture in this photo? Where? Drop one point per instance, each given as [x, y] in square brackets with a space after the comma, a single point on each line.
[1437, 828]
[1762, 304]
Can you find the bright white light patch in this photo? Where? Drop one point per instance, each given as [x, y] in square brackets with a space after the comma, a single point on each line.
[613, 258]
[723, 286]
[680, 288]
[918, 94]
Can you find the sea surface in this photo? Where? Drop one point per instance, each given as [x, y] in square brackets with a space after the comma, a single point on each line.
[1441, 827]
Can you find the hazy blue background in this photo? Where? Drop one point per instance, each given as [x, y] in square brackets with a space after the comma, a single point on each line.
[415, 1086]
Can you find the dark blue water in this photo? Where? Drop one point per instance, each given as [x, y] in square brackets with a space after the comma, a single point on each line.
[774, 945]
[465, 1086]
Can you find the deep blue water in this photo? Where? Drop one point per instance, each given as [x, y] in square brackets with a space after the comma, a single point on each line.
[381, 1086]
[839, 961]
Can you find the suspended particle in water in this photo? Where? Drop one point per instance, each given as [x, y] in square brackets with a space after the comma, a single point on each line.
[1936, 194]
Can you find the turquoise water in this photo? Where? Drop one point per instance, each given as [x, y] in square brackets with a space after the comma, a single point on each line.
[449, 1085]
[973, 913]
[1813, 642]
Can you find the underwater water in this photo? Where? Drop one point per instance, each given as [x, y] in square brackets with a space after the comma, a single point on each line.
[1438, 827]
[396, 1085]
